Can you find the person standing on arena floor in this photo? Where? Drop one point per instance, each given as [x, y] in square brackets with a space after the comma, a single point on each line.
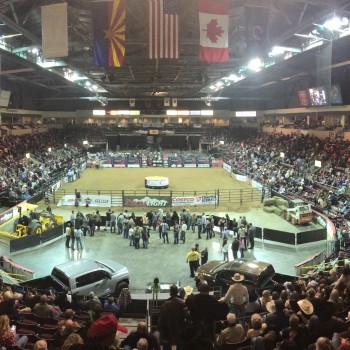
[242, 234]
[131, 232]
[193, 222]
[168, 217]
[113, 222]
[235, 248]
[183, 232]
[224, 250]
[235, 227]
[72, 219]
[165, 229]
[120, 220]
[98, 220]
[241, 246]
[68, 232]
[92, 225]
[204, 256]
[144, 235]
[208, 228]
[126, 228]
[200, 226]
[72, 238]
[108, 219]
[78, 233]
[176, 233]
[192, 258]
[251, 235]
[137, 236]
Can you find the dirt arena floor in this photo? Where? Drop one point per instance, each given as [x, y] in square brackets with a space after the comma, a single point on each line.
[200, 180]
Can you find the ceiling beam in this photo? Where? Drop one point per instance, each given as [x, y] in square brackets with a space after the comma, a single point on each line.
[13, 25]
[16, 71]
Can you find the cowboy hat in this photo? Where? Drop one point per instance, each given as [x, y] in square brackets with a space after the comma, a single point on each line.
[306, 307]
[237, 277]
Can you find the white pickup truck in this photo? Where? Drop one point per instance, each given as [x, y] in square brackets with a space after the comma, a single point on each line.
[80, 277]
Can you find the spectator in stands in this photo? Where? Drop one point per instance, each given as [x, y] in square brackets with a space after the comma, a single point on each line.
[130, 342]
[65, 329]
[102, 332]
[8, 336]
[40, 345]
[43, 309]
[110, 306]
[205, 309]
[72, 339]
[171, 319]
[233, 333]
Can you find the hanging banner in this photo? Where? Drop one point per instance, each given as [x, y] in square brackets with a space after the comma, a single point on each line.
[227, 167]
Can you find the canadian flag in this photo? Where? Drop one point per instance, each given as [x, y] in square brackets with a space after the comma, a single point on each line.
[213, 26]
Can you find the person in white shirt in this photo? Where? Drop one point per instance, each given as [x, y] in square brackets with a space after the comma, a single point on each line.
[183, 231]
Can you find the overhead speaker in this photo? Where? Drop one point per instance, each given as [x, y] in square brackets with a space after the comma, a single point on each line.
[174, 102]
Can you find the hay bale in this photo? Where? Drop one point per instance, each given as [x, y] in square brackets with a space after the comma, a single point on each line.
[281, 202]
[268, 202]
[283, 208]
[269, 210]
[277, 211]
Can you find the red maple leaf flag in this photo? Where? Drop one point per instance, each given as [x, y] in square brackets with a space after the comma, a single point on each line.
[213, 26]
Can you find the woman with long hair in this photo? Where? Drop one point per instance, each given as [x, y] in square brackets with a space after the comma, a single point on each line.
[8, 336]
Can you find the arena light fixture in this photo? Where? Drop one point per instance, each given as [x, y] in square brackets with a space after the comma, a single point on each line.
[28, 155]
[85, 142]
[98, 112]
[183, 112]
[282, 155]
[171, 112]
[49, 149]
[255, 64]
[222, 142]
[207, 112]
[65, 145]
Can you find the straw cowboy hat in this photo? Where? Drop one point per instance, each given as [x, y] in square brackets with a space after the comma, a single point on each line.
[237, 277]
[306, 307]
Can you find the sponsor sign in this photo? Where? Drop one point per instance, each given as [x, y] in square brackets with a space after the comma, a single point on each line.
[190, 162]
[119, 162]
[242, 178]
[134, 162]
[193, 200]
[146, 201]
[203, 162]
[4, 217]
[175, 162]
[227, 167]
[217, 163]
[92, 200]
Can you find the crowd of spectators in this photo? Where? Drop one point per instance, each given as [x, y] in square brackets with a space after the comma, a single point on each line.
[22, 177]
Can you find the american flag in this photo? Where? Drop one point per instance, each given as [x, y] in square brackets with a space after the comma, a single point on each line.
[163, 29]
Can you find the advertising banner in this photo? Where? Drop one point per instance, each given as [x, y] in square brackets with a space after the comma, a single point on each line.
[134, 162]
[190, 162]
[175, 162]
[92, 200]
[145, 161]
[119, 162]
[147, 201]
[165, 160]
[203, 162]
[216, 163]
[227, 167]
[106, 163]
[242, 178]
[193, 200]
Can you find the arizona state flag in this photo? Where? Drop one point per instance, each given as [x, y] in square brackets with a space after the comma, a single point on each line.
[213, 26]
[109, 33]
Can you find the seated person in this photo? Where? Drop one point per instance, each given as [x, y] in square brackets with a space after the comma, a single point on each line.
[233, 333]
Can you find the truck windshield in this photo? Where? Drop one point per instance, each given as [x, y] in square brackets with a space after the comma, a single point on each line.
[61, 277]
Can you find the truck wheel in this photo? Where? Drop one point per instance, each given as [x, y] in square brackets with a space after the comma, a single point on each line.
[119, 288]
[37, 229]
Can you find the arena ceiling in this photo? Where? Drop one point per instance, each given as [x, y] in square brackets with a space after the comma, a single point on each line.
[186, 79]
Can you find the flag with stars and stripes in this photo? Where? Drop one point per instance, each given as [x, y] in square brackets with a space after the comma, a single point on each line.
[163, 29]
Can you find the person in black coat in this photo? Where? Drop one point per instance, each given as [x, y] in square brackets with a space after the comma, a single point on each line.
[204, 256]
